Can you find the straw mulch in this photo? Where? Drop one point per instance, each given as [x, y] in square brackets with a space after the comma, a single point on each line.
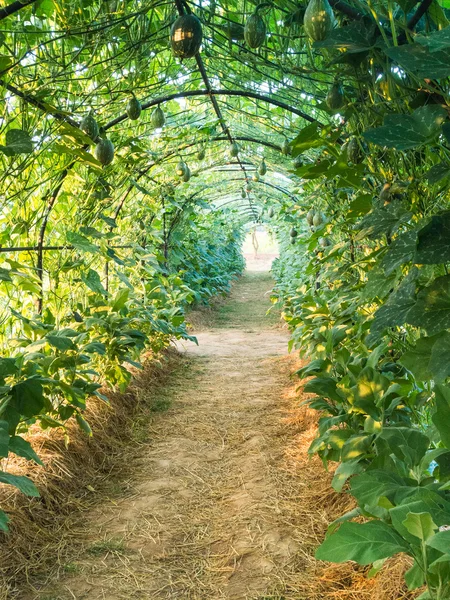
[232, 524]
[44, 532]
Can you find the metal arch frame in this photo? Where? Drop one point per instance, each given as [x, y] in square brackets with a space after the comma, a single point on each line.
[212, 94]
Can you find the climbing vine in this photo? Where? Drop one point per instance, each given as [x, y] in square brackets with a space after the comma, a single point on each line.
[363, 283]
[137, 141]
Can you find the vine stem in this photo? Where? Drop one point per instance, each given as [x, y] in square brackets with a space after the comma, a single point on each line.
[14, 7]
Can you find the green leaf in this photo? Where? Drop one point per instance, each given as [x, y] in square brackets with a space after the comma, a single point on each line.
[369, 487]
[60, 342]
[437, 14]
[439, 364]
[4, 439]
[421, 60]
[323, 386]
[348, 516]
[397, 307]
[315, 170]
[5, 274]
[431, 311]
[363, 543]
[401, 251]
[29, 397]
[78, 152]
[420, 525]
[95, 347]
[109, 221]
[440, 541]
[4, 519]
[44, 8]
[433, 241]
[306, 139]
[91, 231]
[141, 188]
[415, 577]
[417, 359]
[24, 484]
[368, 392]
[76, 133]
[382, 221]
[441, 417]
[80, 242]
[438, 40]
[404, 132]
[376, 568]
[313, 367]
[17, 142]
[438, 172]
[356, 447]
[5, 62]
[93, 282]
[361, 205]
[83, 424]
[24, 449]
[379, 284]
[441, 566]
[120, 299]
[356, 37]
[430, 503]
[408, 444]
[344, 471]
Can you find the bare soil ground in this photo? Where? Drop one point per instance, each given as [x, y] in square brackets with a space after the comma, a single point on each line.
[223, 504]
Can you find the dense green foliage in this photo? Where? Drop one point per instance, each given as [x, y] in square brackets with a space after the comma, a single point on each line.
[127, 178]
[364, 289]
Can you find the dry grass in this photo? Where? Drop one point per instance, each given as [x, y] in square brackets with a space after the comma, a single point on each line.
[43, 531]
[202, 316]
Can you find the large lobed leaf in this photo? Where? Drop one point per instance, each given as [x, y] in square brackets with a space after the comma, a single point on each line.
[363, 543]
[406, 131]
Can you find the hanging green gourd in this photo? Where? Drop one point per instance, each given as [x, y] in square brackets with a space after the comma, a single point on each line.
[324, 242]
[181, 169]
[271, 212]
[233, 30]
[318, 20]
[386, 193]
[234, 150]
[286, 148]
[187, 174]
[201, 154]
[298, 162]
[293, 233]
[134, 108]
[317, 219]
[243, 194]
[186, 36]
[255, 176]
[262, 170]
[310, 216]
[158, 119]
[89, 126]
[354, 151]
[255, 30]
[335, 96]
[248, 189]
[104, 151]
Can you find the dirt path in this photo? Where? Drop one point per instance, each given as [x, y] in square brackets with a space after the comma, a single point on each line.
[210, 514]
